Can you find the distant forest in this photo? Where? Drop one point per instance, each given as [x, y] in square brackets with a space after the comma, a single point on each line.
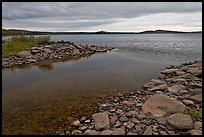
[6, 32]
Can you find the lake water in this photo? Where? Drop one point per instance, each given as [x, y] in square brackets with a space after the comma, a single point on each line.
[37, 99]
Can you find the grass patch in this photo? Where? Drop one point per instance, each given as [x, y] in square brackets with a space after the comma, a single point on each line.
[17, 44]
[196, 114]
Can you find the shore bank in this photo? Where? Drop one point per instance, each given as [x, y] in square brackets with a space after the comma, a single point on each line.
[51, 50]
[170, 105]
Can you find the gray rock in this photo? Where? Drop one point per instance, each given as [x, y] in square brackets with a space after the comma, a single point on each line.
[169, 71]
[23, 54]
[148, 131]
[106, 132]
[117, 124]
[161, 120]
[91, 132]
[163, 133]
[87, 121]
[160, 105]
[171, 132]
[113, 119]
[180, 121]
[131, 133]
[135, 120]
[83, 128]
[159, 87]
[118, 131]
[101, 120]
[196, 98]
[123, 118]
[195, 132]
[197, 125]
[141, 116]
[138, 127]
[188, 102]
[176, 88]
[128, 114]
[76, 132]
[183, 91]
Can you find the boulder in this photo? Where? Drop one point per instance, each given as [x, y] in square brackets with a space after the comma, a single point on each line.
[160, 105]
[23, 54]
[101, 120]
[159, 87]
[195, 132]
[180, 121]
[196, 98]
[148, 131]
[169, 71]
[106, 132]
[118, 131]
[176, 88]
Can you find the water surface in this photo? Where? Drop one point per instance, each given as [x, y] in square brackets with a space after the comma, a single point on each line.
[38, 98]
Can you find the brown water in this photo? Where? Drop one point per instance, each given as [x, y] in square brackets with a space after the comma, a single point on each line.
[38, 99]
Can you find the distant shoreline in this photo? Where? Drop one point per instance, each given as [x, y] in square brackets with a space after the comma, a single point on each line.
[26, 32]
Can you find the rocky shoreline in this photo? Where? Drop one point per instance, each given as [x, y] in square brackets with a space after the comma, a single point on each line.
[51, 50]
[170, 105]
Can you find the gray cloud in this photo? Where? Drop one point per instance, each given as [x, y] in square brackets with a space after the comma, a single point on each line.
[87, 14]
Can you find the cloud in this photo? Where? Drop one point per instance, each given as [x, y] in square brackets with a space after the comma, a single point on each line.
[87, 16]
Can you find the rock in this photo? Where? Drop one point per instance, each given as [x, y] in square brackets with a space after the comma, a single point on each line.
[169, 71]
[161, 120]
[197, 125]
[113, 119]
[32, 60]
[123, 118]
[91, 132]
[159, 87]
[117, 124]
[138, 127]
[163, 133]
[135, 120]
[160, 105]
[188, 102]
[76, 123]
[83, 128]
[195, 70]
[129, 102]
[196, 98]
[141, 116]
[156, 81]
[101, 120]
[171, 132]
[118, 131]
[129, 124]
[106, 132]
[47, 50]
[131, 133]
[148, 131]
[87, 121]
[128, 114]
[176, 88]
[76, 132]
[195, 132]
[24, 54]
[183, 91]
[180, 121]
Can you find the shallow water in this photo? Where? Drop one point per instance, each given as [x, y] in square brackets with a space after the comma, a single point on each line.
[38, 98]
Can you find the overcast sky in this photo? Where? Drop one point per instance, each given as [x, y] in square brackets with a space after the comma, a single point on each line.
[108, 16]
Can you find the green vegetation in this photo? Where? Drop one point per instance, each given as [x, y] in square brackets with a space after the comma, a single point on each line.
[17, 44]
[196, 114]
